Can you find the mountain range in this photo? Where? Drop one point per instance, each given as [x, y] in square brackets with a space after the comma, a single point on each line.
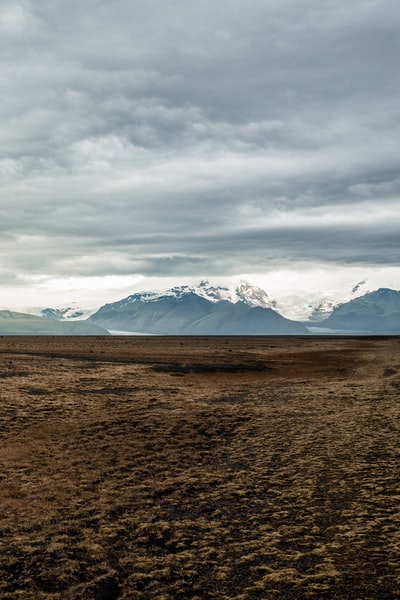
[247, 310]
[205, 309]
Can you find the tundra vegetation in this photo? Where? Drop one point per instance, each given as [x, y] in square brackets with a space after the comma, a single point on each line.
[153, 468]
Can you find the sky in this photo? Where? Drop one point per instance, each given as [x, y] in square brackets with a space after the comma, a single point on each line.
[147, 143]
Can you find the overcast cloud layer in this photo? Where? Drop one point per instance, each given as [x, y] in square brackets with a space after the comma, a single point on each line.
[183, 138]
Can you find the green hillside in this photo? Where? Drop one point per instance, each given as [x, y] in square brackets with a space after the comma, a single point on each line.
[14, 323]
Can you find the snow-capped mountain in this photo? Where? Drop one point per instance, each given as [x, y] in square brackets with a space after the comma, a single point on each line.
[326, 306]
[373, 312]
[62, 314]
[198, 310]
[251, 295]
[68, 313]
[314, 307]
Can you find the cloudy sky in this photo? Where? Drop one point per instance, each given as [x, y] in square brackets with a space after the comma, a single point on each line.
[146, 141]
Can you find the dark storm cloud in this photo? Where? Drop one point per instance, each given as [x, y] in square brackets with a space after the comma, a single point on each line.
[183, 137]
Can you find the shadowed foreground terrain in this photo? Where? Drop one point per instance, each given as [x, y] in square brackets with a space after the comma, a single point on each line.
[209, 468]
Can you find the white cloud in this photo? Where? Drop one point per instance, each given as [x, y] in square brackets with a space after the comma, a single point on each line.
[14, 19]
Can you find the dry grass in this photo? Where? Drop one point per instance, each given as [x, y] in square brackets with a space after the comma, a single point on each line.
[210, 468]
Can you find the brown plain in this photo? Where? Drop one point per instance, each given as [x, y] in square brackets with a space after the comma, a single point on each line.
[151, 468]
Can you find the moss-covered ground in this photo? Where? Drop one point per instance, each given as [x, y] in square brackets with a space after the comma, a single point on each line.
[199, 468]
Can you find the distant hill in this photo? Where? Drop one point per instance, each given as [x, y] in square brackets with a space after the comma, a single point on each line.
[182, 311]
[375, 312]
[15, 323]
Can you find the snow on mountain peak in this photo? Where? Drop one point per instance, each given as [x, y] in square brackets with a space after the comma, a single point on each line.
[214, 294]
[326, 306]
[68, 313]
[244, 292]
[253, 295]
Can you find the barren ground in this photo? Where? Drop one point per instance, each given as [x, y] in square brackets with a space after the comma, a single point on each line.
[199, 468]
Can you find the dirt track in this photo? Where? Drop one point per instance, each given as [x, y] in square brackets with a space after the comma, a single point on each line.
[200, 468]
